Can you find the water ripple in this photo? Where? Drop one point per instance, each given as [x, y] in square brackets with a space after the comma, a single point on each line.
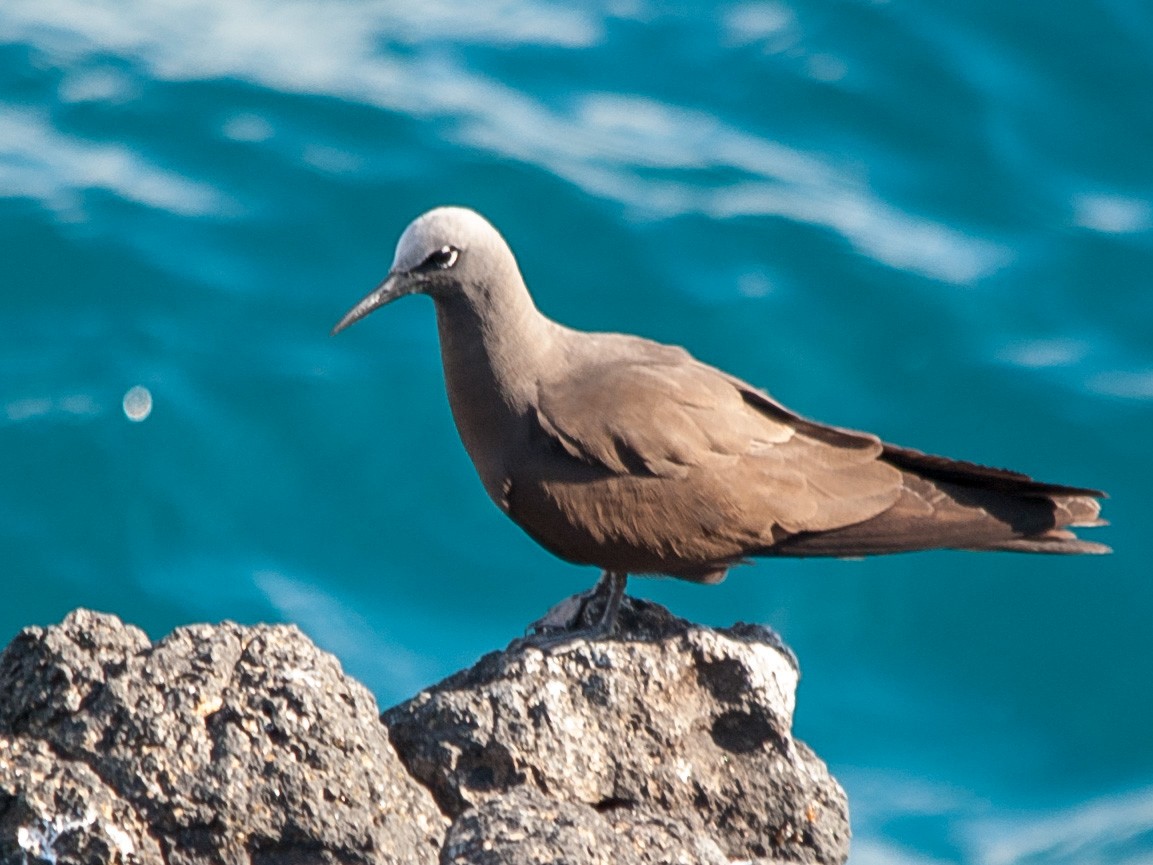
[37, 161]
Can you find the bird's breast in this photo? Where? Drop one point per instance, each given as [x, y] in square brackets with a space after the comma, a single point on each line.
[637, 524]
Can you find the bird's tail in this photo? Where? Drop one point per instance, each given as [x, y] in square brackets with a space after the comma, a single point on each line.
[1069, 512]
[949, 504]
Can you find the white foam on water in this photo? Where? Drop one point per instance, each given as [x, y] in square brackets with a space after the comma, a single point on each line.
[600, 142]
[40, 162]
[1112, 214]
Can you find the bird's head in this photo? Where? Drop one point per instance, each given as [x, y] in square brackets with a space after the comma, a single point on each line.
[444, 252]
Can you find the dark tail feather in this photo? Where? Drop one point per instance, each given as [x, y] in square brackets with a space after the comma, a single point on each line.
[1068, 512]
[973, 474]
[947, 504]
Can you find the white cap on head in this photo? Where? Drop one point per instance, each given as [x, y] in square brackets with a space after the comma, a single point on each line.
[442, 226]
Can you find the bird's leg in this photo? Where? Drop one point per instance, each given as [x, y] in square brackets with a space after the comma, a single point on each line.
[614, 582]
[563, 620]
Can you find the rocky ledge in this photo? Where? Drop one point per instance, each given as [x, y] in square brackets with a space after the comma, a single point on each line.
[669, 743]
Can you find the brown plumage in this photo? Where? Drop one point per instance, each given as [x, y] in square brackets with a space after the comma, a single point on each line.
[630, 455]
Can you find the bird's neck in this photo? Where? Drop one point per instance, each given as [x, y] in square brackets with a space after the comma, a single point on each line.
[498, 341]
[493, 349]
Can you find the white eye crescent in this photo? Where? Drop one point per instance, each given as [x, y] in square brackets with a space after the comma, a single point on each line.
[442, 259]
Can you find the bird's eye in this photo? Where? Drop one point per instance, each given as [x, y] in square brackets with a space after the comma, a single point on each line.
[442, 259]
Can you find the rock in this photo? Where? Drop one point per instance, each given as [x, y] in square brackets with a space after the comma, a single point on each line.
[525, 827]
[227, 744]
[224, 744]
[60, 810]
[673, 718]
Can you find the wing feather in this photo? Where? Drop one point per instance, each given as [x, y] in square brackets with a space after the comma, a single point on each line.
[689, 424]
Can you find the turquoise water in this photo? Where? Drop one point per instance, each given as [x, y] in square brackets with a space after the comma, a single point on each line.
[930, 220]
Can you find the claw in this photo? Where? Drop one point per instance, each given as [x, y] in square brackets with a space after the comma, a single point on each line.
[563, 621]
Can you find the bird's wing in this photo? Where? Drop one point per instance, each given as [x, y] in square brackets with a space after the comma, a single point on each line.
[687, 421]
[652, 418]
[914, 461]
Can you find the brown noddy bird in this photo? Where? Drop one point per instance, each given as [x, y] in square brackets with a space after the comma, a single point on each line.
[624, 453]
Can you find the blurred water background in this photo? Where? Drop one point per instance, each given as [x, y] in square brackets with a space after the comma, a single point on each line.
[930, 220]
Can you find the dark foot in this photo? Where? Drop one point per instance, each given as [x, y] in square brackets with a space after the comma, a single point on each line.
[570, 619]
[565, 616]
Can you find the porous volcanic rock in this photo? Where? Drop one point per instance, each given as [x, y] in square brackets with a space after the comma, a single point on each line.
[218, 744]
[669, 718]
[668, 743]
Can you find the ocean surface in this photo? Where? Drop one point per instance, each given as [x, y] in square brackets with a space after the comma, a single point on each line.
[930, 220]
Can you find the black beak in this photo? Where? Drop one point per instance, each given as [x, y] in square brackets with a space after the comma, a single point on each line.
[386, 292]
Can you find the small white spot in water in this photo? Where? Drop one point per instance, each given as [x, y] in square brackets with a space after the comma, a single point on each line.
[826, 67]
[1044, 353]
[79, 404]
[1112, 214]
[28, 408]
[753, 22]
[1126, 384]
[754, 285]
[248, 127]
[101, 85]
[138, 403]
[332, 160]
